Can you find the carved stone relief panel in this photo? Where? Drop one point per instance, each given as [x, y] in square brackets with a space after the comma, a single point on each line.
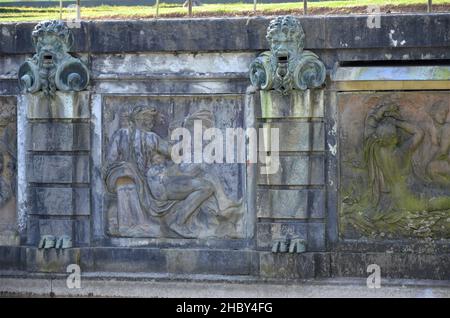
[8, 171]
[149, 193]
[395, 165]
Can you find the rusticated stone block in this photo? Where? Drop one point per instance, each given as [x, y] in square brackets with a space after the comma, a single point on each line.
[294, 266]
[63, 106]
[58, 169]
[312, 232]
[286, 265]
[212, 262]
[294, 170]
[12, 258]
[290, 204]
[299, 136]
[60, 201]
[59, 136]
[392, 265]
[77, 229]
[298, 104]
[129, 260]
[51, 260]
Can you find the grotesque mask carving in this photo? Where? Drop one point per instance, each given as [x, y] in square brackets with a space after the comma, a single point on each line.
[286, 66]
[52, 67]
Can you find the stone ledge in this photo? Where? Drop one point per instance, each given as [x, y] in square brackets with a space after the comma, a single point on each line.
[116, 285]
[259, 266]
[410, 30]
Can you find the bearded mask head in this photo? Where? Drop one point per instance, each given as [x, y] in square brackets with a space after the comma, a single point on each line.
[286, 37]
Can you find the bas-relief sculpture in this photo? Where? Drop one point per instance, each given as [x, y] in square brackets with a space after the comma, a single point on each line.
[395, 174]
[150, 195]
[8, 171]
[287, 66]
[52, 67]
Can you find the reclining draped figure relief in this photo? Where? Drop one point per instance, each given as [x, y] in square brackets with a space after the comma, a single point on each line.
[157, 197]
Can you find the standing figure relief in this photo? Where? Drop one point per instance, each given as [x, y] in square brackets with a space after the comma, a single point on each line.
[402, 174]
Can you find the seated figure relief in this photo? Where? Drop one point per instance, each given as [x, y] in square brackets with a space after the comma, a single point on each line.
[159, 198]
[394, 201]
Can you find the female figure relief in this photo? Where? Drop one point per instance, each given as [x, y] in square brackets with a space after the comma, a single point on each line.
[389, 143]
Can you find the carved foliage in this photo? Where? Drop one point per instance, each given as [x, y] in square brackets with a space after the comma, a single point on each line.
[52, 67]
[286, 66]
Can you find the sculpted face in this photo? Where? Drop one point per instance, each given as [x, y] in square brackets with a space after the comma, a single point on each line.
[51, 39]
[144, 122]
[143, 118]
[283, 46]
[46, 52]
[286, 38]
[440, 113]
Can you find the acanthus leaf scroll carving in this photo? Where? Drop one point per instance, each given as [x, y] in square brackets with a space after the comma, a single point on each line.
[287, 66]
[52, 67]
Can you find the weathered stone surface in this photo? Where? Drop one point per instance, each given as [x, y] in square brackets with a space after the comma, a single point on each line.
[185, 64]
[212, 262]
[118, 37]
[129, 260]
[312, 232]
[248, 34]
[164, 85]
[51, 260]
[175, 261]
[60, 201]
[290, 204]
[295, 170]
[298, 104]
[392, 246]
[287, 266]
[9, 87]
[63, 105]
[77, 229]
[58, 168]
[392, 265]
[299, 136]
[59, 137]
[12, 258]
[9, 65]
